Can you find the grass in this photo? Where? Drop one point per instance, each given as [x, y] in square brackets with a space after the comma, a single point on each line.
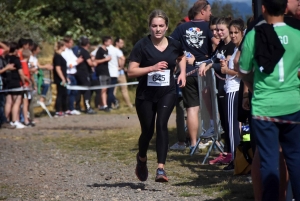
[185, 172]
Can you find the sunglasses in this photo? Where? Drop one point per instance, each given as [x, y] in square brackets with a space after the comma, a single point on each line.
[205, 5]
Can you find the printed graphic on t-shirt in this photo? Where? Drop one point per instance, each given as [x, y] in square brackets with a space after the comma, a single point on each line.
[194, 37]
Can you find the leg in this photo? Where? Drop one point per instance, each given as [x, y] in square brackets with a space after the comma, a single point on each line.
[146, 112]
[72, 93]
[17, 100]
[266, 135]
[165, 107]
[256, 177]
[110, 92]
[25, 108]
[58, 102]
[8, 107]
[193, 123]
[124, 90]
[2, 109]
[289, 140]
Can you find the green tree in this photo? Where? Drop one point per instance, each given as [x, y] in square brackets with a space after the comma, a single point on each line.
[220, 9]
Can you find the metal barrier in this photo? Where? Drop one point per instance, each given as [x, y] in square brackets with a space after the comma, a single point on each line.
[204, 120]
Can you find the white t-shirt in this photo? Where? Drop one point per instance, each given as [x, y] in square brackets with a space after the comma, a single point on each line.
[71, 60]
[234, 84]
[33, 60]
[113, 64]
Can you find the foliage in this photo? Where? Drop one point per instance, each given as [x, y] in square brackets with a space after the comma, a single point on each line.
[93, 18]
[220, 9]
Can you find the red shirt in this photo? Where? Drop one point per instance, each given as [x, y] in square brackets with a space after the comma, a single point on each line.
[25, 70]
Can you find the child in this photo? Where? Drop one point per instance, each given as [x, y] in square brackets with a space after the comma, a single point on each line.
[15, 79]
[27, 94]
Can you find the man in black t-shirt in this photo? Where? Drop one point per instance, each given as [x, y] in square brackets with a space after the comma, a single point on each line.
[196, 38]
[83, 74]
[102, 59]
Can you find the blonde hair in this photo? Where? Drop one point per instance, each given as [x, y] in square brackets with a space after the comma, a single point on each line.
[158, 13]
[26, 53]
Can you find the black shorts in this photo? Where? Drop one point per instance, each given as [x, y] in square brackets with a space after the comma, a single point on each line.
[190, 93]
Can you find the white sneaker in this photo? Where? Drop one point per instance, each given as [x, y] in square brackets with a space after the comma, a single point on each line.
[19, 125]
[177, 146]
[42, 105]
[75, 112]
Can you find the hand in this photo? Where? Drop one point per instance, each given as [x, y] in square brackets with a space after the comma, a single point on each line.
[181, 81]
[79, 60]
[63, 83]
[160, 66]
[10, 67]
[223, 63]
[202, 69]
[108, 58]
[68, 80]
[246, 103]
[49, 66]
[190, 60]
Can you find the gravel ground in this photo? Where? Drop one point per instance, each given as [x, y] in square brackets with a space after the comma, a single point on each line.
[34, 170]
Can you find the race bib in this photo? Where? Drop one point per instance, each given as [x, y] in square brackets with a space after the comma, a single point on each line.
[158, 79]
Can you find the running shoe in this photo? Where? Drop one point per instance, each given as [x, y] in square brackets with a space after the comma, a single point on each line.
[19, 125]
[229, 167]
[178, 146]
[161, 175]
[75, 112]
[221, 159]
[217, 160]
[29, 124]
[141, 170]
[116, 104]
[193, 150]
[90, 111]
[68, 112]
[59, 114]
[107, 109]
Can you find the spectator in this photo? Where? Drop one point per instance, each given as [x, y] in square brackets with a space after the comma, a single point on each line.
[102, 58]
[269, 135]
[83, 75]
[27, 95]
[60, 79]
[22, 44]
[72, 63]
[198, 43]
[14, 78]
[119, 44]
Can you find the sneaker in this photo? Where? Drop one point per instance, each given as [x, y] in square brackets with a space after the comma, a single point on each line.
[217, 160]
[177, 146]
[161, 175]
[8, 125]
[203, 145]
[42, 104]
[107, 109]
[75, 112]
[141, 170]
[68, 112]
[229, 167]
[116, 104]
[227, 159]
[19, 125]
[59, 114]
[90, 111]
[29, 124]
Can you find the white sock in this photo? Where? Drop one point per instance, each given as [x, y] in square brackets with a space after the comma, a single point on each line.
[212, 123]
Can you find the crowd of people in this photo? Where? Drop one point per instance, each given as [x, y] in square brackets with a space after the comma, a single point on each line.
[22, 78]
[257, 78]
[263, 99]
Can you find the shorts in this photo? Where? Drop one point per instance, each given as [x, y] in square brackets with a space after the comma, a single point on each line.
[190, 93]
[104, 80]
[27, 95]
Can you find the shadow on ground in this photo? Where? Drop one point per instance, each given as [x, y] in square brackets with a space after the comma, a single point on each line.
[134, 186]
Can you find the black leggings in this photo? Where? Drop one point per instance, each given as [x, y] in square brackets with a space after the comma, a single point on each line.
[146, 111]
[61, 98]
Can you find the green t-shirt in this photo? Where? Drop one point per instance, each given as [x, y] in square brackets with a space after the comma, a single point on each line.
[276, 94]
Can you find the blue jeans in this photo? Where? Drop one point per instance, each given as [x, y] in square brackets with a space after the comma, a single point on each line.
[110, 92]
[72, 93]
[45, 88]
[268, 136]
[2, 106]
